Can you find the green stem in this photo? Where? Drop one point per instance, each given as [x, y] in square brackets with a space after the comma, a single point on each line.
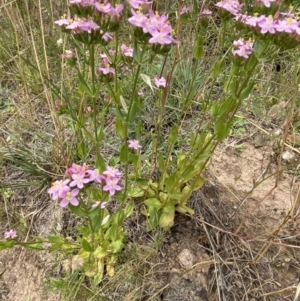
[92, 62]
[127, 120]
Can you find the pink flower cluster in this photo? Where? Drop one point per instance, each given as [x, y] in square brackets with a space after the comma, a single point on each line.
[127, 51]
[67, 191]
[267, 24]
[105, 68]
[244, 48]
[280, 23]
[105, 8]
[232, 6]
[78, 25]
[156, 26]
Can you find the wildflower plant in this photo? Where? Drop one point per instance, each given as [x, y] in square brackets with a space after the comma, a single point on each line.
[156, 175]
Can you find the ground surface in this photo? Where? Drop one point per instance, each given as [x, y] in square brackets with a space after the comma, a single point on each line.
[213, 255]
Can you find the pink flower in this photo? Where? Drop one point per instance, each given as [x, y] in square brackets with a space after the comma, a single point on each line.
[106, 70]
[206, 12]
[79, 26]
[266, 24]
[112, 172]
[83, 3]
[267, 3]
[63, 22]
[58, 189]
[96, 176]
[10, 234]
[107, 37]
[68, 54]
[112, 185]
[69, 197]
[184, 10]
[232, 6]
[138, 19]
[111, 52]
[75, 169]
[137, 3]
[79, 180]
[288, 25]
[134, 144]
[160, 37]
[103, 7]
[140, 93]
[117, 10]
[252, 21]
[160, 81]
[245, 48]
[102, 205]
[127, 51]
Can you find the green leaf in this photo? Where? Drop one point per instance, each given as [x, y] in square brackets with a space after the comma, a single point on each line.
[147, 80]
[133, 112]
[55, 247]
[188, 171]
[218, 68]
[170, 182]
[215, 109]
[184, 209]
[77, 211]
[33, 246]
[120, 128]
[55, 239]
[8, 244]
[169, 207]
[100, 253]
[198, 48]
[246, 92]
[135, 192]
[152, 221]
[117, 246]
[153, 202]
[96, 217]
[258, 48]
[100, 133]
[123, 103]
[124, 154]
[225, 106]
[128, 209]
[222, 127]
[98, 277]
[84, 86]
[166, 219]
[86, 246]
[181, 161]
[161, 161]
[176, 196]
[100, 162]
[251, 62]
[137, 53]
[105, 220]
[82, 150]
[197, 183]
[173, 134]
